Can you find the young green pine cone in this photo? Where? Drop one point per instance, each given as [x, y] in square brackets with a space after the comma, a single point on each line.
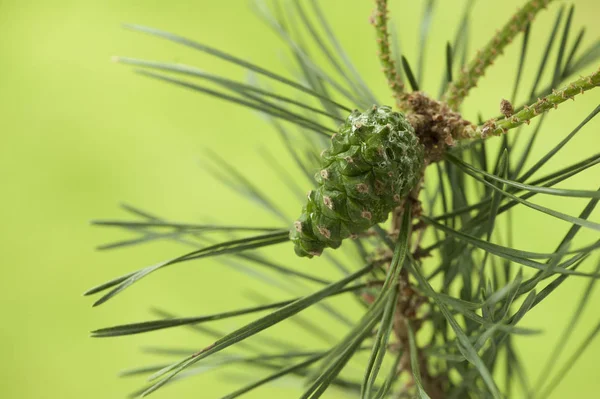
[373, 163]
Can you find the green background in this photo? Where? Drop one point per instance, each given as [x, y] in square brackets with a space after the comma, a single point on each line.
[80, 135]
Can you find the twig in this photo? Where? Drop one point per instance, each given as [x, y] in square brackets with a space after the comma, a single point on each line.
[499, 127]
[458, 90]
[379, 21]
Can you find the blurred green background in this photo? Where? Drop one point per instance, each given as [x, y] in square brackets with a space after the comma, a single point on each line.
[81, 135]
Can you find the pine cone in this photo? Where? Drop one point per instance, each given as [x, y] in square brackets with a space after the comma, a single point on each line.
[373, 163]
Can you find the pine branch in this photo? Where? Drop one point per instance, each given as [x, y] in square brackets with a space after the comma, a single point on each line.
[468, 298]
[379, 21]
[458, 90]
[580, 86]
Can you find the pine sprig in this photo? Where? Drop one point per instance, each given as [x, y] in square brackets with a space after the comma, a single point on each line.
[451, 265]
[469, 76]
[380, 22]
[542, 105]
